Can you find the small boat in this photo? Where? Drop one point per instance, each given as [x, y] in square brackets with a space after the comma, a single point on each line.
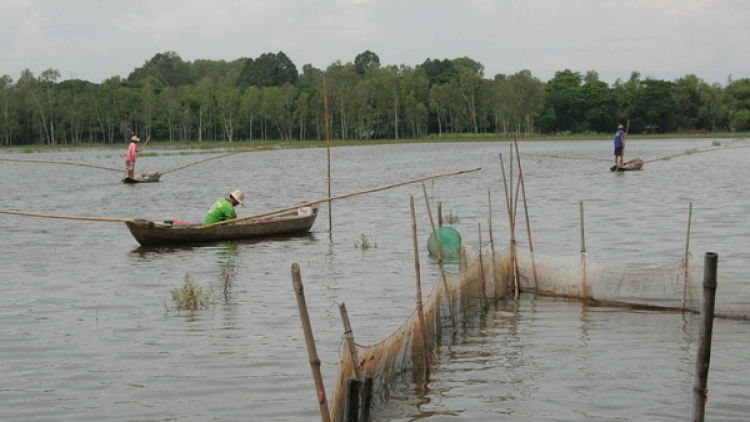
[151, 233]
[152, 176]
[634, 164]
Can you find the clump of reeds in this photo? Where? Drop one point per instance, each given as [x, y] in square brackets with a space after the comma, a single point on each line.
[364, 243]
[450, 218]
[191, 296]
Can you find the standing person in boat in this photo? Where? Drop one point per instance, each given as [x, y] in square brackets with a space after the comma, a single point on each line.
[619, 146]
[133, 150]
[223, 209]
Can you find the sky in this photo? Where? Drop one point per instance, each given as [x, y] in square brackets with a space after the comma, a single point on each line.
[95, 40]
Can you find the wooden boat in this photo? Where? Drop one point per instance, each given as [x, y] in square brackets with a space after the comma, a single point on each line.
[152, 176]
[150, 233]
[634, 164]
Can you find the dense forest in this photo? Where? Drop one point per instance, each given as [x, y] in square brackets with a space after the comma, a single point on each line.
[267, 98]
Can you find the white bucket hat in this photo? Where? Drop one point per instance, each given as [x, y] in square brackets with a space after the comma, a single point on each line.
[238, 196]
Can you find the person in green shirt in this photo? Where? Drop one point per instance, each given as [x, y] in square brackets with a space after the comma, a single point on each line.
[223, 209]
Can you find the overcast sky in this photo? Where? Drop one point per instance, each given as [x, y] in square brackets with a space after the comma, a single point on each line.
[666, 39]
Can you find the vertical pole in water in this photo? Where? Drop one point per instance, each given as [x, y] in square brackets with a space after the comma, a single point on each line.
[583, 252]
[700, 390]
[526, 213]
[687, 257]
[310, 342]
[440, 214]
[483, 283]
[420, 308]
[495, 283]
[349, 338]
[440, 263]
[511, 227]
[328, 152]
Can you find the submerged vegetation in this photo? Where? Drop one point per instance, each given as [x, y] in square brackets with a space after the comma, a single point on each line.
[364, 243]
[193, 297]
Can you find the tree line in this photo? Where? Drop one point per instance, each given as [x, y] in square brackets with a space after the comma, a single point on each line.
[267, 98]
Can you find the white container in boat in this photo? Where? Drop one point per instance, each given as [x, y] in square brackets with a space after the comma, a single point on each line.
[304, 211]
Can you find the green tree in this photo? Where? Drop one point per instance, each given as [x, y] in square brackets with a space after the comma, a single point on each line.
[366, 60]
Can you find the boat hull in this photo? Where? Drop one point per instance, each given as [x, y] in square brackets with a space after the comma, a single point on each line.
[150, 233]
[634, 164]
[150, 177]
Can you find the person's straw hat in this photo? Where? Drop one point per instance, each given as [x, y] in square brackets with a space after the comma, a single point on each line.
[238, 196]
[135, 138]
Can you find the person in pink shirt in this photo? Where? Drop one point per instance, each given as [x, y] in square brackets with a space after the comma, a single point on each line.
[130, 156]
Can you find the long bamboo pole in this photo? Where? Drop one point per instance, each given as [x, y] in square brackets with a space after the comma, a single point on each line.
[511, 227]
[67, 217]
[583, 252]
[687, 257]
[420, 304]
[328, 152]
[59, 162]
[440, 263]
[495, 281]
[526, 213]
[310, 342]
[346, 195]
[483, 282]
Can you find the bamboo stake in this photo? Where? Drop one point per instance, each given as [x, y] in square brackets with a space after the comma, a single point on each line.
[68, 217]
[346, 195]
[700, 390]
[145, 143]
[483, 283]
[495, 281]
[512, 229]
[583, 252]
[440, 263]
[526, 213]
[349, 337]
[420, 305]
[687, 256]
[310, 342]
[328, 152]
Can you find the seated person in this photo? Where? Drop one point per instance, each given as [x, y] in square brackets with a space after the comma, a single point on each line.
[223, 209]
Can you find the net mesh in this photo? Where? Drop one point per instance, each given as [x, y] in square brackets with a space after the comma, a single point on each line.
[482, 276]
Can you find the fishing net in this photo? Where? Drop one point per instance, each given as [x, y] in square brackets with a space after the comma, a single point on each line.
[407, 352]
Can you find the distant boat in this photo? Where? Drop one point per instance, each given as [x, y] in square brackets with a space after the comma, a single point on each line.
[634, 164]
[151, 233]
[150, 177]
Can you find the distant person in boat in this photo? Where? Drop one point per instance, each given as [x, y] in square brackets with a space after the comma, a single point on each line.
[133, 150]
[619, 146]
[223, 209]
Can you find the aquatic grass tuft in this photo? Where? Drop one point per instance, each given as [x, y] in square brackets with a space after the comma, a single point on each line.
[364, 243]
[450, 218]
[191, 296]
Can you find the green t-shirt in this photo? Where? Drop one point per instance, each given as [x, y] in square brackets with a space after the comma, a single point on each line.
[221, 210]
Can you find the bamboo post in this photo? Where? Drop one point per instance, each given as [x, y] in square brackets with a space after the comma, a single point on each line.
[440, 263]
[483, 283]
[328, 152]
[366, 399]
[687, 257]
[310, 342]
[512, 229]
[440, 214]
[351, 400]
[583, 252]
[349, 338]
[700, 390]
[346, 195]
[420, 304]
[495, 281]
[526, 214]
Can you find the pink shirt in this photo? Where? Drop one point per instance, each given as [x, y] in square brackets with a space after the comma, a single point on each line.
[131, 152]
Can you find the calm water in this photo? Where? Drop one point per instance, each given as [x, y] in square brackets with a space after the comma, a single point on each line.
[88, 331]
